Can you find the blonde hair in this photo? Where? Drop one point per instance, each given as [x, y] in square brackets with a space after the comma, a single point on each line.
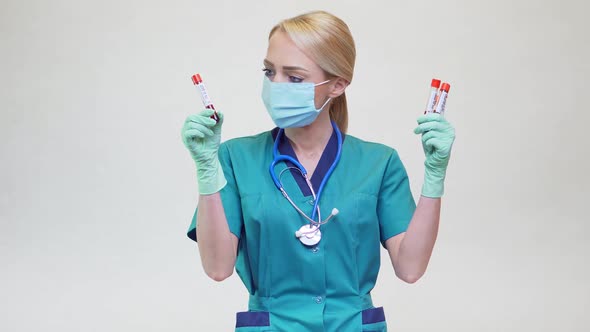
[327, 40]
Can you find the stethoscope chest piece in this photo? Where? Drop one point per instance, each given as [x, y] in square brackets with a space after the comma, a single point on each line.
[309, 235]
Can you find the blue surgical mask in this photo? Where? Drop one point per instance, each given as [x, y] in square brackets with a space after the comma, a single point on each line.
[291, 105]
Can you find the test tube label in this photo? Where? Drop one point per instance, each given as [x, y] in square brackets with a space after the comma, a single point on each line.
[431, 102]
[204, 95]
[440, 107]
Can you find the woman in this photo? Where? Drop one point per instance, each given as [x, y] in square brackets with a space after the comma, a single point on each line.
[305, 272]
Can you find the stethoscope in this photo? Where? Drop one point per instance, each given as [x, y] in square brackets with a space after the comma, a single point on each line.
[309, 235]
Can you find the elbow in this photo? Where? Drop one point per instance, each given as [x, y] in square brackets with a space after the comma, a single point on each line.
[218, 272]
[219, 275]
[409, 278]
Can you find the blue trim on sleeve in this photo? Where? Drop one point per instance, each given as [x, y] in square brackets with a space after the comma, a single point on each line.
[192, 234]
[252, 318]
[374, 315]
[192, 230]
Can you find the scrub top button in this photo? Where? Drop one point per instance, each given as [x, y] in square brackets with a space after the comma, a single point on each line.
[311, 202]
[315, 249]
[318, 299]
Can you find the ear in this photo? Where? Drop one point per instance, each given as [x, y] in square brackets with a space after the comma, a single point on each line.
[338, 88]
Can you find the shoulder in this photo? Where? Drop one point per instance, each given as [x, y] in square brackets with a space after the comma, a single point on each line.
[246, 148]
[247, 141]
[247, 144]
[371, 150]
[373, 164]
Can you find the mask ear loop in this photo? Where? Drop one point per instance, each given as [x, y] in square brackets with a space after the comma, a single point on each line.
[322, 83]
[327, 101]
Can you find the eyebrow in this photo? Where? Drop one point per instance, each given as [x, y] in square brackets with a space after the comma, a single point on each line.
[270, 64]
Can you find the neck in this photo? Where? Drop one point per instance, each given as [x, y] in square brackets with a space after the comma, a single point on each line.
[311, 138]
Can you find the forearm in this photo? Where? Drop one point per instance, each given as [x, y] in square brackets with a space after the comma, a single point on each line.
[217, 245]
[418, 242]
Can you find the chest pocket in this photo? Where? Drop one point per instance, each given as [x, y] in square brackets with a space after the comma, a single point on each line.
[365, 218]
[356, 222]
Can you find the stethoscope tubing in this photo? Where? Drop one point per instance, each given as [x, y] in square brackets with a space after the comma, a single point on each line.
[281, 157]
[330, 170]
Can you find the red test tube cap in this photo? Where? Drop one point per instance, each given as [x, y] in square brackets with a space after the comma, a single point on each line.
[445, 87]
[435, 83]
[197, 79]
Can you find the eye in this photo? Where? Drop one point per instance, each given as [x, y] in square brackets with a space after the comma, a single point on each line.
[295, 79]
[268, 72]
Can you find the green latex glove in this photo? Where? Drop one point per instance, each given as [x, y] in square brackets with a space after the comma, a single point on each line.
[202, 135]
[438, 136]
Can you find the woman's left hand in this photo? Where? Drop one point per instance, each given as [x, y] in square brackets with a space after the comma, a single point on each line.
[438, 136]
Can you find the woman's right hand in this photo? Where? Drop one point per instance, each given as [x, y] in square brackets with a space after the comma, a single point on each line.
[202, 136]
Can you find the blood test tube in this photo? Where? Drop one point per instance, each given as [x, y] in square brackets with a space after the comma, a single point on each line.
[434, 85]
[198, 81]
[442, 101]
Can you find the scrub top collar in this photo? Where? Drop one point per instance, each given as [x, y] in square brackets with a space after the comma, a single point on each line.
[322, 167]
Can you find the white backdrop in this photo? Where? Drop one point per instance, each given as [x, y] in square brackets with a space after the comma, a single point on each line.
[97, 190]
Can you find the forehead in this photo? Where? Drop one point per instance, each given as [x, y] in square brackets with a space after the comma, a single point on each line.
[282, 51]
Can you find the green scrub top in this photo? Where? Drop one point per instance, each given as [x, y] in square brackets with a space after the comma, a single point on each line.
[327, 287]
